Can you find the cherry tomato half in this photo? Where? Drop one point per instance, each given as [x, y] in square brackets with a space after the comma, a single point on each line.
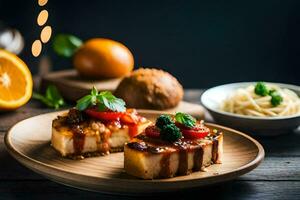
[197, 132]
[106, 116]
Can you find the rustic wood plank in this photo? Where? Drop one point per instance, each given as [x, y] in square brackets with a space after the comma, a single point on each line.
[276, 168]
[282, 145]
[232, 190]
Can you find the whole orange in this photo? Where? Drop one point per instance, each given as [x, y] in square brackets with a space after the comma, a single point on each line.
[103, 58]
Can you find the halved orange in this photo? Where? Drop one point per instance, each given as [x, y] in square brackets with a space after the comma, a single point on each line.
[15, 81]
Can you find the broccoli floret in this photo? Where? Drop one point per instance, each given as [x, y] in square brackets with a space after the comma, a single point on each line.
[276, 98]
[163, 120]
[170, 132]
[261, 89]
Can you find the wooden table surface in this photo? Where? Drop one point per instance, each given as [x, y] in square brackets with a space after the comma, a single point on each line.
[278, 177]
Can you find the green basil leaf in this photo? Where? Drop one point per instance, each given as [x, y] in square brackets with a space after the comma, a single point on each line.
[117, 105]
[65, 45]
[104, 100]
[185, 119]
[101, 107]
[84, 102]
[94, 91]
[111, 102]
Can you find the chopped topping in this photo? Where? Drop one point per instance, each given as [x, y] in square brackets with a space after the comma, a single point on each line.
[74, 116]
[173, 129]
[136, 145]
[163, 120]
[185, 119]
[97, 126]
[170, 133]
[130, 117]
[152, 131]
[103, 100]
[165, 129]
[261, 89]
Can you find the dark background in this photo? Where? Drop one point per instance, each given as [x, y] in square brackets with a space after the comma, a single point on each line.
[202, 43]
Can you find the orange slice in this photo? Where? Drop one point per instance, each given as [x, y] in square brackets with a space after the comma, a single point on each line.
[15, 81]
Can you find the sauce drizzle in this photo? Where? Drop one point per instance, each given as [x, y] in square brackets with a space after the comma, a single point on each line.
[215, 154]
[198, 159]
[183, 162]
[165, 170]
[78, 139]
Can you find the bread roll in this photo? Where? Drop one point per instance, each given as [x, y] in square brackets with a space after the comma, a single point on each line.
[150, 89]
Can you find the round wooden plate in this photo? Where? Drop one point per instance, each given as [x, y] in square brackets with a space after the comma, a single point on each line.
[29, 142]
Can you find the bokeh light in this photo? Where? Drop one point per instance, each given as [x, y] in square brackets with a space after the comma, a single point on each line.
[42, 2]
[46, 34]
[42, 17]
[36, 48]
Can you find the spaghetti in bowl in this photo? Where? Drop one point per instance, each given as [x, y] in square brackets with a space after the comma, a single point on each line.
[254, 113]
[262, 100]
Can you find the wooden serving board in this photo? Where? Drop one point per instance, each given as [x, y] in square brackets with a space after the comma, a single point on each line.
[29, 142]
[73, 87]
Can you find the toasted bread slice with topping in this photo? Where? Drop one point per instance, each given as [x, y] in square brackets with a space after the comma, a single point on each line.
[92, 137]
[151, 158]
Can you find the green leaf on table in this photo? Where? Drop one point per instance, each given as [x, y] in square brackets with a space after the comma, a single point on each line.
[43, 99]
[52, 97]
[65, 45]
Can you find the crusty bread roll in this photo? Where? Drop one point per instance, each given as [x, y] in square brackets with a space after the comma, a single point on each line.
[150, 89]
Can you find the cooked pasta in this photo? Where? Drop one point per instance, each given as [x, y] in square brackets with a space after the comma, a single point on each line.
[245, 101]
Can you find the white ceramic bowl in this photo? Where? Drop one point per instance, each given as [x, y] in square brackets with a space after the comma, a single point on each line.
[212, 98]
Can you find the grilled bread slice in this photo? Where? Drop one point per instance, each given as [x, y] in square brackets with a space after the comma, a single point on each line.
[92, 137]
[150, 158]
